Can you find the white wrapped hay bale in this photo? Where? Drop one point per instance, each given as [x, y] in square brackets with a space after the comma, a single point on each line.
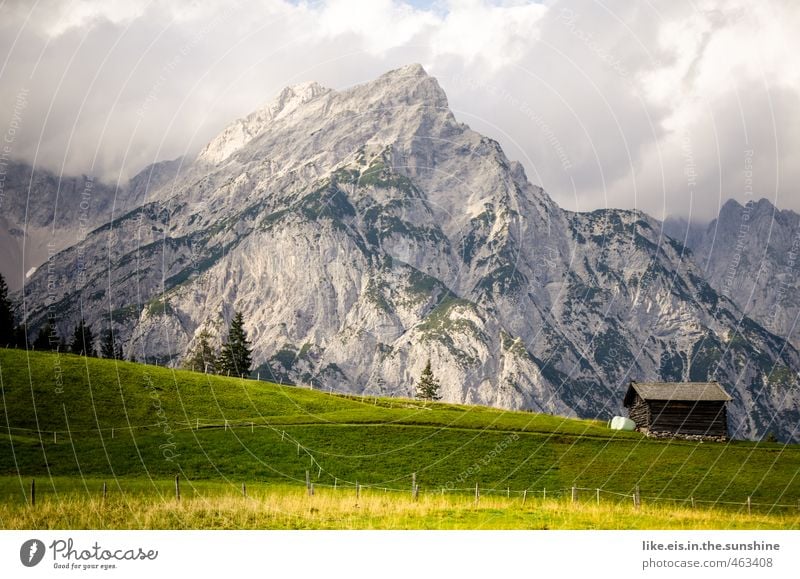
[622, 423]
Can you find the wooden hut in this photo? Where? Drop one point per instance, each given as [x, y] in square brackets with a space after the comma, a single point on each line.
[678, 408]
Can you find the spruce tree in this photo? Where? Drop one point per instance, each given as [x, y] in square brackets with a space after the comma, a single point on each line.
[109, 348]
[21, 336]
[203, 357]
[47, 339]
[235, 358]
[428, 385]
[82, 340]
[6, 316]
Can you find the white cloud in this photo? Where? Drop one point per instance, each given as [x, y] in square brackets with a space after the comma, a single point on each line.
[497, 35]
[614, 90]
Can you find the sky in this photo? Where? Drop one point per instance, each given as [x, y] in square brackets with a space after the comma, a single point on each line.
[669, 107]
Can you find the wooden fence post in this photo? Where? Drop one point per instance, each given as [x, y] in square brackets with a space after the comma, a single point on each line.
[544, 493]
[177, 487]
[358, 490]
[415, 492]
[55, 437]
[748, 505]
[311, 489]
[598, 496]
[413, 483]
[574, 495]
[308, 483]
[692, 501]
[335, 482]
[197, 424]
[33, 492]
[524, 496]
[508, 492]
[477, 493]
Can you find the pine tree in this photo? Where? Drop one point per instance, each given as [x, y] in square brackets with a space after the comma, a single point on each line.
[203, 357]
[6, 316]
[235, 357]
[82, 340]
[109, 348]
[21, 336]
[47, 339]
[428, 385]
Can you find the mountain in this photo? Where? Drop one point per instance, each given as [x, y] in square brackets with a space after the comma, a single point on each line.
[751, 253]
[362, 232]
[44, 213]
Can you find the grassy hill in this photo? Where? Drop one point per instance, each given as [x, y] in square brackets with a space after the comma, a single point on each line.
[68, 416]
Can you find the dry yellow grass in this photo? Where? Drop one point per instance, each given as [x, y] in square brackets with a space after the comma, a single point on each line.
[291, 508]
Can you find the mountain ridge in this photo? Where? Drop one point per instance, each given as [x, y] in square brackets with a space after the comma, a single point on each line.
[366, 230]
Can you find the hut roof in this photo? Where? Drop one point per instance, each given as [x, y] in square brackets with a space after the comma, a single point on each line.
[693, 391]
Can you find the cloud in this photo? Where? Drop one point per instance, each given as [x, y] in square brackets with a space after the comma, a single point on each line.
[601, 102]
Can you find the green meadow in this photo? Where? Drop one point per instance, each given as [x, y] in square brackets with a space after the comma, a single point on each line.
[72, 423]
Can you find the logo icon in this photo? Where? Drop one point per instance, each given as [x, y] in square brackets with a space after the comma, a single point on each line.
[31, 553]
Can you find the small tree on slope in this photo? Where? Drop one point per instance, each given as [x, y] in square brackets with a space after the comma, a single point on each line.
[203, 357]
[428, 385]
[82, 340]
[235, 357]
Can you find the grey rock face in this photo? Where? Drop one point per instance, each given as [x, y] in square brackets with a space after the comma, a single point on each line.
[362, 232]
[751, 253]
[43, 213]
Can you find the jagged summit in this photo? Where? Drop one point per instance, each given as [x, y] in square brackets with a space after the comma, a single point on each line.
[362, 231]
[242, 131]
[406, 87]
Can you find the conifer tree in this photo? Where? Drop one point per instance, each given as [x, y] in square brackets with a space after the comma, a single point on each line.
[428, 385]
[109, 347]
[21, 336]
[47, 339]
[235, 358]
[6, 316]
[203, 357]
[82, 340]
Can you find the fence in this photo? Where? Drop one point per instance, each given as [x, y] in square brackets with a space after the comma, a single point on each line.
[576, 494]
[515, 498]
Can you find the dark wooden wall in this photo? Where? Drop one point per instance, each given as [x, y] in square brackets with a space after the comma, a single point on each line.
[688, 417]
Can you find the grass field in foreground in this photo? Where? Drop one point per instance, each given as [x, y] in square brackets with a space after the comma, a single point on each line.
[152, 505]
[72, 418]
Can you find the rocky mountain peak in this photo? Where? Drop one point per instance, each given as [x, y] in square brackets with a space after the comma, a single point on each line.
[407, 86]
[242, 131]
[363, 231]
